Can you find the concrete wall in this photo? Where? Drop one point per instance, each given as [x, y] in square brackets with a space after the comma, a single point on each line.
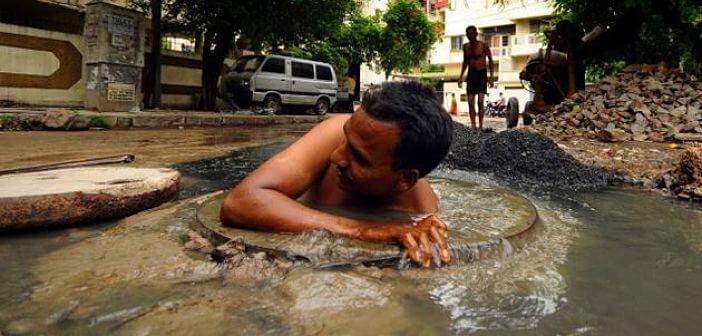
[31, 63]
[41, 67]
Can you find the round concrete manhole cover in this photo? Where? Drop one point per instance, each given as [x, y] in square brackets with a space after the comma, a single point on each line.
[66, 197]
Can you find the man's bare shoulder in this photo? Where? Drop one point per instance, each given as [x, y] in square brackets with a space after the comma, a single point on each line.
[319, 141]
[334, 122]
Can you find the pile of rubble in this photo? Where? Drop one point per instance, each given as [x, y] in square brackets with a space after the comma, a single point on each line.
[685, 181]
[643, 102]
[522, 160]
[11, 123]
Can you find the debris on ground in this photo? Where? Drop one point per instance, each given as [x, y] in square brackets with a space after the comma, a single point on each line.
[685, 181]
[11, 123]
[642, 103]
[529, 160]
[639, 163]
[196, 242]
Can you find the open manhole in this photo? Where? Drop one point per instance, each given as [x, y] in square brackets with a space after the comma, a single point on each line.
[479, 217]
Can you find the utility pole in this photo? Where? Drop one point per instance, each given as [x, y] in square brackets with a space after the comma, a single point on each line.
[156, 53]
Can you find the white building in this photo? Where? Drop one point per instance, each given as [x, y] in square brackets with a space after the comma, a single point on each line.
[368, 74]
[511, 31]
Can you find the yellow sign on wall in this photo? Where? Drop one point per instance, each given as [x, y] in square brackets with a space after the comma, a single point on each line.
[120, 92]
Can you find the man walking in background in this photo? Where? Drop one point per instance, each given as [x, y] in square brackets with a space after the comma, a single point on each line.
[474, 54]
[351, 89]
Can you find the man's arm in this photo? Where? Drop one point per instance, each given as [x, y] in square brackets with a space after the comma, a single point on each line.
[463, 65]
[489, 57]
[266, 199]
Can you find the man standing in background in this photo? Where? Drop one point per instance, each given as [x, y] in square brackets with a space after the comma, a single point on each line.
[351, 88]
[474, 54]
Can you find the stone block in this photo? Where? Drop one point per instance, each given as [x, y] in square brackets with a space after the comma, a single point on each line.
[80, 122]
[58, 118]
[163, 121]
[123, 122]
[208, 120]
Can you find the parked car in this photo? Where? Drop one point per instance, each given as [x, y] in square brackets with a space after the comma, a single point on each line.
[275, 81]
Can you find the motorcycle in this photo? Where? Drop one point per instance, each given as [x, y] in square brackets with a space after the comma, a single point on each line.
[493, 109]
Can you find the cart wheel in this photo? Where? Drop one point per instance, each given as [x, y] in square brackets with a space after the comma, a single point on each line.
[527, 117]
[512, 112]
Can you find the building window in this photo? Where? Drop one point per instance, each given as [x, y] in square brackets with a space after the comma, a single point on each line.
[505, 40]
[180, 44]
[456, 43]
[534, 26]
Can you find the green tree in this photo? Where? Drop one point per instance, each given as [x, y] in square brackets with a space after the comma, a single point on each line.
[670, 30]
[407, 37]
[396, 40]
[270, 24]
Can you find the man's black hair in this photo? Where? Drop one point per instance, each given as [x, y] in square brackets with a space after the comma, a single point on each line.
[471, 27]
[426, 129]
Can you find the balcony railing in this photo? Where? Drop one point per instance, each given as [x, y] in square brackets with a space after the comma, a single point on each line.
[508, 77]
[525, 44]
[498, 52]
[523, 39]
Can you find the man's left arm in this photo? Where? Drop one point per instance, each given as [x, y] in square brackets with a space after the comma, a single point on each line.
[489, 57]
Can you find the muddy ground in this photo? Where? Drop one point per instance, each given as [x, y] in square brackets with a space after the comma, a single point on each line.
[642, 162]
[152, 148]
[639, 162]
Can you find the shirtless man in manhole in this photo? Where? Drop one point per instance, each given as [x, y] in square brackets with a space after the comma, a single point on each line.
[474, 54]
[375, 159]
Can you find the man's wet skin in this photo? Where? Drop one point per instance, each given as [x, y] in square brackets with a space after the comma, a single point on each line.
[357, 170]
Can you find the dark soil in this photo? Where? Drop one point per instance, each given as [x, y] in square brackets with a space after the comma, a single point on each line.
[523, 160]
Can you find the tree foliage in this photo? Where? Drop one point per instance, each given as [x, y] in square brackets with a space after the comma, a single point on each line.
[671, 30]
[407, 37]
[396, 40]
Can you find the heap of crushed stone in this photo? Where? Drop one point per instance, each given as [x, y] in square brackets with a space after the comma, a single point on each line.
[526, 160]
[643, 102]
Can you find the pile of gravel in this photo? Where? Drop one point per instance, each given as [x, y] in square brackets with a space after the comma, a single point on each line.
[525, 160]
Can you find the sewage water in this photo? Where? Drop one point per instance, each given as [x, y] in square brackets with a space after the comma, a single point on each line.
[612, 262]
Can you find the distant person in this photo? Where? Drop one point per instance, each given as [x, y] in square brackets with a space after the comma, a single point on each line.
[501, 103]
[475, 54]
[373, 160]
[351, 89]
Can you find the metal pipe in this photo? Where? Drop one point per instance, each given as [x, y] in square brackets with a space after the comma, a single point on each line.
[127, 158]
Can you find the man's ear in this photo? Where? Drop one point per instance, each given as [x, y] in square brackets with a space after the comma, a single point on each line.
[408, 178]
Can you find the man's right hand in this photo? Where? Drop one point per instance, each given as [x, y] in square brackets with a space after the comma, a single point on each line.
[419, 238]
[460, 82]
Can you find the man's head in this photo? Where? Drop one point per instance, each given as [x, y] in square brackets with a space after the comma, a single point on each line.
[472, 33]
[398, 135]
[500, 94]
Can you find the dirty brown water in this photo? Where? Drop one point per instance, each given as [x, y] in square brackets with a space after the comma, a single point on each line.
[612, 262]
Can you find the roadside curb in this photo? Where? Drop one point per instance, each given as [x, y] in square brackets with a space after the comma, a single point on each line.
[34, 119]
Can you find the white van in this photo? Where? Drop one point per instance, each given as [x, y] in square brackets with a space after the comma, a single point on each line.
[274, 81]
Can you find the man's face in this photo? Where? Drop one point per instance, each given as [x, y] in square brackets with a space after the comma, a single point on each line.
[472, 34]
[364, 161]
